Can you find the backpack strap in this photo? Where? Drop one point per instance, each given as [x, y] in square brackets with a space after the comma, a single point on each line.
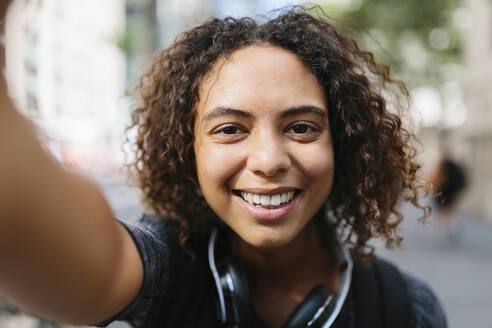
[381, 297]
[394, 292]
[368, 307]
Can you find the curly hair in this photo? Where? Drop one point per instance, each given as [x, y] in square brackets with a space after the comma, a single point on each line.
[374, 156]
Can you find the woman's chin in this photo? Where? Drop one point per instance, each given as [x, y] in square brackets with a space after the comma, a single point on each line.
[265, 240]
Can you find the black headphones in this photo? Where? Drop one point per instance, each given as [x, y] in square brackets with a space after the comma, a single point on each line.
[319, 309]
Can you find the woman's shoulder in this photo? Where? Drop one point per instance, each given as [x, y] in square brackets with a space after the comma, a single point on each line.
[425, 309]
[157, 228]
[153, 223]
[400, 293]
[157, 240]
[157, 234]
[171, 278]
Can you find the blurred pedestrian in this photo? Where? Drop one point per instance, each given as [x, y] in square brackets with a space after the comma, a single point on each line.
[449, 181]
[267, 158]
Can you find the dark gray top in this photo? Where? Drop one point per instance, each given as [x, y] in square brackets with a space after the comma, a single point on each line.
[179, 292]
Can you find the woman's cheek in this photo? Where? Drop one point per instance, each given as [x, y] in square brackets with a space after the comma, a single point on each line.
[217, 164]
[317, 160]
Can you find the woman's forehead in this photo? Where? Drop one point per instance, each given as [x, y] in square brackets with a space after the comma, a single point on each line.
[255, 59]
[260, 75]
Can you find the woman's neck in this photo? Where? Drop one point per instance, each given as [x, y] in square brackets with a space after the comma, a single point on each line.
[302, 259]
[280, 260]
[280, 278]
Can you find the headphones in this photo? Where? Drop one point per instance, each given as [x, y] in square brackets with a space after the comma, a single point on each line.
[319, 309]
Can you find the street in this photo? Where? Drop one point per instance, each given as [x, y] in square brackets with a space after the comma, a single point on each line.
[458, 270]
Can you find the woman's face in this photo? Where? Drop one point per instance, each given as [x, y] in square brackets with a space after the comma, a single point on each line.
[264, 153]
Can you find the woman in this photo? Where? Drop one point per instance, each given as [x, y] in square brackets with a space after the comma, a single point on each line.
[262, 150]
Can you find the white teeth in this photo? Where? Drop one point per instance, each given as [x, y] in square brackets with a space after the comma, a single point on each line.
[268, 200]
[275, 200]
[265, 200]
[256, 199]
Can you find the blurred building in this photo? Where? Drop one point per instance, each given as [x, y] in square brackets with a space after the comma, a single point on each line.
[67, 73]
[71, 62]
[153, 24]
[476, 135]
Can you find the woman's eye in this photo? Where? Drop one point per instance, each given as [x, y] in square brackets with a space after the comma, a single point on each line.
[301, 129]
[230, 129]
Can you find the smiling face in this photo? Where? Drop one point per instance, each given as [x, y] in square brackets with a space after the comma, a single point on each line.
[263, 148]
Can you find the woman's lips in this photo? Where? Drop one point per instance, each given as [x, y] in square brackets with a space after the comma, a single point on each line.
[267, 214]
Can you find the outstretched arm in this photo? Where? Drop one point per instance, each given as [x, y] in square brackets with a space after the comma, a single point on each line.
[62, 254]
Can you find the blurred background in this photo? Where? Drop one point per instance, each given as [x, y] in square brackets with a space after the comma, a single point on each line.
[72, 64]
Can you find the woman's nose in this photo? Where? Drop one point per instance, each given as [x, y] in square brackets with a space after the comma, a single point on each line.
[267, 155]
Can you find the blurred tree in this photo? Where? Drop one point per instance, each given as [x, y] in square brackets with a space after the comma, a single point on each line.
[423, 37]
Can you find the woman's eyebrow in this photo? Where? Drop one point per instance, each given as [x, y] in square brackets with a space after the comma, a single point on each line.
[303, 109]
[225, 111]
[292, 111]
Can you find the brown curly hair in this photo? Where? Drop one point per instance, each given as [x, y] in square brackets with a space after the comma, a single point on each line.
[374, 156]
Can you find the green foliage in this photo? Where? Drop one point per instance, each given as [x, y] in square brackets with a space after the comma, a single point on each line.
[421, 35]
[128, 41]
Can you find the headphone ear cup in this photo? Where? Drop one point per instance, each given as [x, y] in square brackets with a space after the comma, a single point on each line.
[305, 311]
[239, 295]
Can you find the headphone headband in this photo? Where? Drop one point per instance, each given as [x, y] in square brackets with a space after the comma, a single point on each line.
[211, 262]
[224, 315]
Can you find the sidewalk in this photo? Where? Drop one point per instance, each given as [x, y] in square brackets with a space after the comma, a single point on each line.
[458, 270]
